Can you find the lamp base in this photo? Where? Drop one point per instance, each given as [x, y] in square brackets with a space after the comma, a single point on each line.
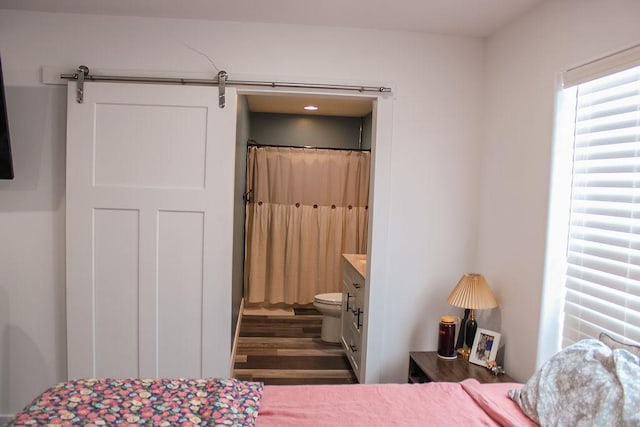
[465, 352]
[463, 327]
[470, 331]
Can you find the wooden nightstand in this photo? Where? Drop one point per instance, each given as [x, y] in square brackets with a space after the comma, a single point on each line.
[426, 366]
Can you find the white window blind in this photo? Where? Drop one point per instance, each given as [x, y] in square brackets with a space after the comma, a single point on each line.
[603, 254]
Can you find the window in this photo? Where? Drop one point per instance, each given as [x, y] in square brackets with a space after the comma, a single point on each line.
[601, 265]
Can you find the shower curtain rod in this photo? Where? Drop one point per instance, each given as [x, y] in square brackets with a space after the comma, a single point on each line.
[254, 143]
[82, 74]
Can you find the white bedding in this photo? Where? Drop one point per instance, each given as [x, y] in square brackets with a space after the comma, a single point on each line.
[586, 384]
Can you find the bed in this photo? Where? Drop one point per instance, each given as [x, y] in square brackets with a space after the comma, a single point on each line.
[589, 383]
[214, 402]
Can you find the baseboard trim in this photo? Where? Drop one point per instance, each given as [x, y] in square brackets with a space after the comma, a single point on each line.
[235, 339]
[4, 419]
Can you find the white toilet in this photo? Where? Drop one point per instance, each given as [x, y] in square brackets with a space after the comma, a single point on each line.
[330, 305]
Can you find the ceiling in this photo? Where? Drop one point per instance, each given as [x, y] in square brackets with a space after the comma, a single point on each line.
[476, 18]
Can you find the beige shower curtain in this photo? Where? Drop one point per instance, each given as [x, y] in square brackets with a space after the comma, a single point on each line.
[306, 207]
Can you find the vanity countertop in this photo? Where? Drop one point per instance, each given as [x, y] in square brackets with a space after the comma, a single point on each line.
[358, 261]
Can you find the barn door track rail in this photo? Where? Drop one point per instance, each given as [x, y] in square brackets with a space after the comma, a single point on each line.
[82, 75]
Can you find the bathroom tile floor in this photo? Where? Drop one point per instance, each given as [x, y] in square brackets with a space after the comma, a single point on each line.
[288, 350]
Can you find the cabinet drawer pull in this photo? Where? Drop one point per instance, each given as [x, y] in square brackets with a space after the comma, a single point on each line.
[354, 348]
[356, 285]
[347, 308]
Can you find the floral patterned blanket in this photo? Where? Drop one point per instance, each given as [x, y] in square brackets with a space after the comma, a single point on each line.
[154, 402]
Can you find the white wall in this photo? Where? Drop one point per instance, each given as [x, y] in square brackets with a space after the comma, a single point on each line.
[522, 62]
[437, 84]
[32, 247]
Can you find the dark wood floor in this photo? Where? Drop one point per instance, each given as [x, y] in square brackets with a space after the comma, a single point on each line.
[288, 350]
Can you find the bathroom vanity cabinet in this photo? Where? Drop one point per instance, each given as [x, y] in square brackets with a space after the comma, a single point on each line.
[353, 280]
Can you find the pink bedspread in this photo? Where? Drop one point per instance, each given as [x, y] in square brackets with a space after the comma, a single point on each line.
[434, 404]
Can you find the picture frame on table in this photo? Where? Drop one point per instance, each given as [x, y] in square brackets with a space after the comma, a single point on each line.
[485, 347]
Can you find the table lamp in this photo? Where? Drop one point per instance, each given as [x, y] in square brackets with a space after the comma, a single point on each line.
[472, 292]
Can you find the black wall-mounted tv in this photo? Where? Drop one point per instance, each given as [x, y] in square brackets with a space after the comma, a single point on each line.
[6, 162]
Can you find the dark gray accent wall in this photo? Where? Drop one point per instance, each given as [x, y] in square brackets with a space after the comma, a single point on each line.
[237, 275]
[367, 131]
[301, 130]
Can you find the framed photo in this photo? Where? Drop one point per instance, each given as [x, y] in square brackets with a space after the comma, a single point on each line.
[485, 347]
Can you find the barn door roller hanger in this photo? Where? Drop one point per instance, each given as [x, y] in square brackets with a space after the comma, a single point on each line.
[82, 74]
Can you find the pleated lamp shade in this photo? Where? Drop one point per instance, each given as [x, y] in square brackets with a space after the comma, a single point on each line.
[472, 291]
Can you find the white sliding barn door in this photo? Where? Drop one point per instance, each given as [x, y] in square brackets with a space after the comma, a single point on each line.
[149, 231]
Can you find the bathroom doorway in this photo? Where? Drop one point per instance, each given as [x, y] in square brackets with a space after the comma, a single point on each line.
[307, 193]
[376, 132]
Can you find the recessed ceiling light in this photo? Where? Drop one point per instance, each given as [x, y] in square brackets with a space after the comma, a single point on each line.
[311, 108]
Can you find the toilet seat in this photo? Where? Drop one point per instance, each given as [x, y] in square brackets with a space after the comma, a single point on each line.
[329, 299]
